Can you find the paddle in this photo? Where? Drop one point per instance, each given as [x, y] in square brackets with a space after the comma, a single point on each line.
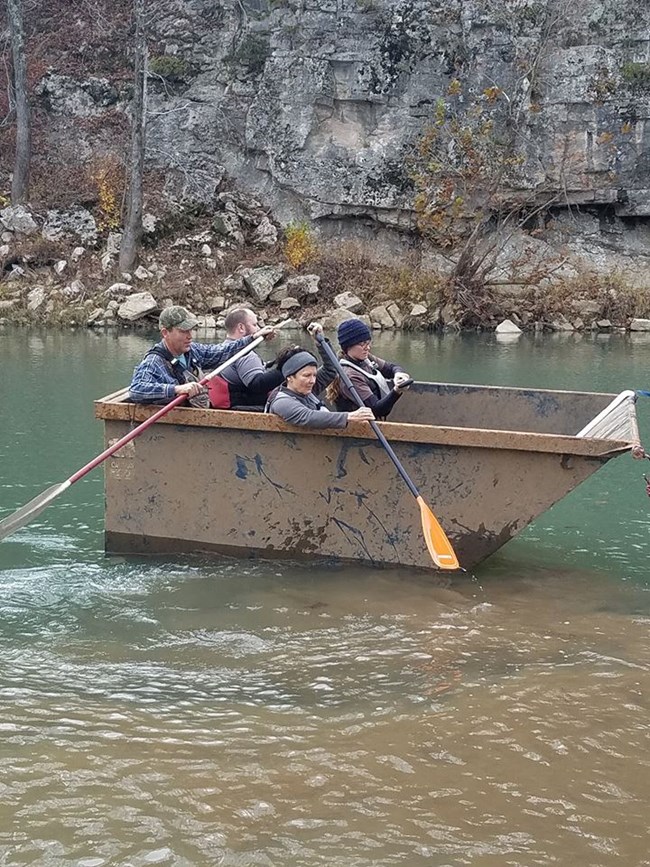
[438, 544]
[34, 508]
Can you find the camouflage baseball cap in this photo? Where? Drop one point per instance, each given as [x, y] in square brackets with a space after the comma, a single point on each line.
[177, 317]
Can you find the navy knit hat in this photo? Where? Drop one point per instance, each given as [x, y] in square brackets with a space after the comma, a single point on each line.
[353, 331]
[297, 362]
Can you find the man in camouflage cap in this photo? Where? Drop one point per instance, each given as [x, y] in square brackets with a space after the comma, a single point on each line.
[175, 365]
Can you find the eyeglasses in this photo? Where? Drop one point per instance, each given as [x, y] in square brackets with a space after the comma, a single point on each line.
[365, 344]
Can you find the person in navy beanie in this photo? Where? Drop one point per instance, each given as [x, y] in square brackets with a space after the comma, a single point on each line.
[379, 383]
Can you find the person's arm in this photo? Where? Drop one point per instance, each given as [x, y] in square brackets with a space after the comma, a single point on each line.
[152, 382]
[380, 406]
[387, 368]
[254, 375]
[295, 412]
[326, 372]
[211, 355]
[265, 382]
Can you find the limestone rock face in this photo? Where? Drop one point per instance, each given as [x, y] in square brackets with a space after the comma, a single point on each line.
[68, 96]
[330, 95]
[314, 107]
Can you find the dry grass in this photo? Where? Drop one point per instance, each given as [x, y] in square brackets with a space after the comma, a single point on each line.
[619, 299]
[351, 267]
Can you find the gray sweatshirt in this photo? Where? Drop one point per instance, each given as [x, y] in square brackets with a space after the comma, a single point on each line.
[305, 410]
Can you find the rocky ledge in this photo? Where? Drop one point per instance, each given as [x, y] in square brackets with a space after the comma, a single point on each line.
[60, 269]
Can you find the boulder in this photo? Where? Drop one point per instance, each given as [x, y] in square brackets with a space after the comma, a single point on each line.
[75, 289]
[640, 325]
[279, 293]
[334, 318]
[234, 284]
[16, 218]
[70, 223]
[149, 223]
[395, 313]
[60, 266]
[349, 301]
[418, 310]
[95, 317]
[77, 253]
[117, 289]
[217, 303]
[304, 286]
[136, 306]
[561, 323]
[266, 234]
[229, 227]
[36, 297]
[16, 273]
[381, 317]
[507, 327]
[141, 273]
[260, 281]
[289, 303]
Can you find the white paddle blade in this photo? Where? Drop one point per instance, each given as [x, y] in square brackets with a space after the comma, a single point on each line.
[31, 510]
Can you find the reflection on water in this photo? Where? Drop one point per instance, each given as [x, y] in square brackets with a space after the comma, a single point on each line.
[202, 713]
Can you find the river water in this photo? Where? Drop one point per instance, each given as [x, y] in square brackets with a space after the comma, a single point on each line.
[227, 713]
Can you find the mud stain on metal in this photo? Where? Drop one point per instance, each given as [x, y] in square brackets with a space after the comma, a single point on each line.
[244, 465]
[355, 536]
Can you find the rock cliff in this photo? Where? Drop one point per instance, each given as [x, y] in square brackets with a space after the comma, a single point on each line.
[313, 106]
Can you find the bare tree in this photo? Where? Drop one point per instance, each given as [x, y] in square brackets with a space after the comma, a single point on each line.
[20, 180]
[477, 181]
[133, 224]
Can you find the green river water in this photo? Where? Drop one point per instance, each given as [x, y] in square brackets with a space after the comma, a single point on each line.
[198, 712]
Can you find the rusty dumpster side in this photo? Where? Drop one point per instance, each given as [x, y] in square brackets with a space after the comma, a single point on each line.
[248, 484]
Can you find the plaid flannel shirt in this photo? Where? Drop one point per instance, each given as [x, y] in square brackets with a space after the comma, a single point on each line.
[153, 382]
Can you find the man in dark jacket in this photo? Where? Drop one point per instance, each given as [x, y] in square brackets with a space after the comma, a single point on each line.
[246, 383]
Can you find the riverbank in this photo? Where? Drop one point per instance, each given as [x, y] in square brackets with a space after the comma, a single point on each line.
[59, 269]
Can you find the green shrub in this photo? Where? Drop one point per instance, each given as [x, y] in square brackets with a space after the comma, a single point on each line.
[169, 67]
[637, 75]
[252, 53]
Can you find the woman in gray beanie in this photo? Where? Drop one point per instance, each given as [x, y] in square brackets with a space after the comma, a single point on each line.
[297, 401]
[379, 383]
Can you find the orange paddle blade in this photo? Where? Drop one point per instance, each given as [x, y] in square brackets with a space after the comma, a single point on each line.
[439, 546]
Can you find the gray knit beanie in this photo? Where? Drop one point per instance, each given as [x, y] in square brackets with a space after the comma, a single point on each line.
[297, 362]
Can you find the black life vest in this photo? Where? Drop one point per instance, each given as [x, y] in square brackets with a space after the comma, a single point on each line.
[182, 374]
